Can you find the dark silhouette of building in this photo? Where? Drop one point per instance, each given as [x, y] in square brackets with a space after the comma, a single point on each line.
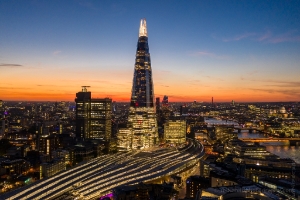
[93, 116]
[165, 101]
[48, 144]
[157, 103]
[194, 184]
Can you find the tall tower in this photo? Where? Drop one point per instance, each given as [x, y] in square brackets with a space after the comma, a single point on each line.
[93, 116]
[83, 106]
[142, 117]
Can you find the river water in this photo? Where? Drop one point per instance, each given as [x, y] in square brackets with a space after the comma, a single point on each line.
[279, 148]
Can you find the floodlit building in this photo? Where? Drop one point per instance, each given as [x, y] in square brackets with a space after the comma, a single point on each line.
[142, 120]
[124, 139]
[175, 131]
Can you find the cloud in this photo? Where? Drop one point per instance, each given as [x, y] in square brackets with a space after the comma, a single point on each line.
[252, 72]
[209, 54]
[203, 53]
[239, 37]
[288, 88]
[88, 4]
[285, 83]
[290, 36]
[213, 78]
[265, 36]
[10, 65]
[164, 71]
[14, 88]
[288, 92]
[284, 38]
[56, 52]
[276, 83]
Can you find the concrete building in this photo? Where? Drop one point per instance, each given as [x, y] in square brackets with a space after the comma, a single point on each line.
[50, 168]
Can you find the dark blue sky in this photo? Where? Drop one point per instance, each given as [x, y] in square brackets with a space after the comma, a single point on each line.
[242, 50]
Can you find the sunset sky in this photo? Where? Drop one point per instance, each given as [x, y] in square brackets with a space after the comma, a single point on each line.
[230, 50]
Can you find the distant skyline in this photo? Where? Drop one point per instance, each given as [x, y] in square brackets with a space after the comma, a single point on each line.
[246, 51]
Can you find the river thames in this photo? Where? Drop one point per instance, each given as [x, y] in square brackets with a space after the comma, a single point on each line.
[278, 148]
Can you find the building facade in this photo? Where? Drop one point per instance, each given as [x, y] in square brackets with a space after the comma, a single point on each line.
[52, 168]
[194, 184]
[142, 122]
[93, 116]
[175, 131]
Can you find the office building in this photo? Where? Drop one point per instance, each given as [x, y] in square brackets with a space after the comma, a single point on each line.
[194, 184]
[175, 131]
[48, 144]
[93, 116]
[51, 168]
[165, 101]
[83, 100]
[124, 139]
[142, 114]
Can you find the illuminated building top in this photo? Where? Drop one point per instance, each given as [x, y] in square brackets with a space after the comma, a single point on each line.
[143, 28]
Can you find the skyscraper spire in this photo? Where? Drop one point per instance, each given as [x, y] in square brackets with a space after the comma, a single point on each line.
[142, 86]
[143, 28]
[142, 123]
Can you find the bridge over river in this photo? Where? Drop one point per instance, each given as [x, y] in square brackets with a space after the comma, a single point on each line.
[292, 141]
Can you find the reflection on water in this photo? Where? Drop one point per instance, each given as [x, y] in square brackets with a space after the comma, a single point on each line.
[286, 152]
[280, 148]
[246, 134]
[211, 121]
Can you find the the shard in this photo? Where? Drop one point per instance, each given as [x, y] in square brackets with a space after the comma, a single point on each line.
[142, 125]
[142, 85]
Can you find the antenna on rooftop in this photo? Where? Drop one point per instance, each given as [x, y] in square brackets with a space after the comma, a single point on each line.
[84, 88]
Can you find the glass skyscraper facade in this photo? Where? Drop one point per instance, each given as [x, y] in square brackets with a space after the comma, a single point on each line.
[142, 124]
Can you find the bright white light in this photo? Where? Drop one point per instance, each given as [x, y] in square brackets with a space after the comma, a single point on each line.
[143, 28]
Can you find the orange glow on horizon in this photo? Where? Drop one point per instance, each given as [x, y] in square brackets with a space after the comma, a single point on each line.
[40, 86]
[38, 96]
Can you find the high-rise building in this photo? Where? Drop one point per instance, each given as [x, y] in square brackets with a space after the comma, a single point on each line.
[2, 119]
[83, 100]
[157, 103]
[93, 116]
[142, 115]
[165, 101]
